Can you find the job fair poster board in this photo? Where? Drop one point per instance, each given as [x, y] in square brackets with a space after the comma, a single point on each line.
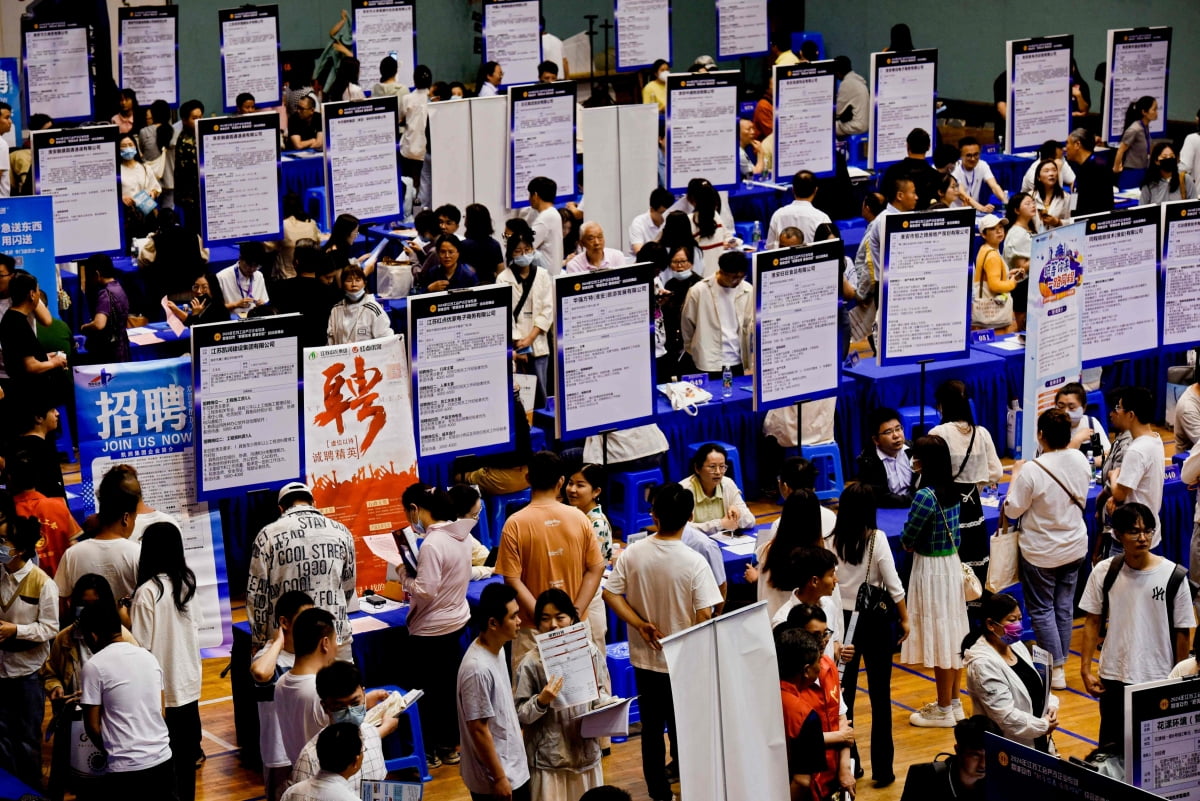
[926, 286]
[250, 55]
[1039, 92]
[795, 324]
[1164, 720]
[1138, 62]
[362, 164]
[903, 97]
[541, 138]
[725, 754]
[1054, 321]
[385, 28]
[462, 383]
[141, 414]
[805, 99]
[58, 75]
[702, 129]
[247, 390]
[1180, 276]
[27, 235]
[512, 37]
[239, 178]
[1120, 296]
[741, 28]
[605, 359]
[642, 31]
[1018, 771]
[358, 441]
[78, 168]
[148, 46]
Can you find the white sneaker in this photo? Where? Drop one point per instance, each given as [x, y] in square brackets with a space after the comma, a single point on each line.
[1058, 679]
[931, 716]
[956, 709]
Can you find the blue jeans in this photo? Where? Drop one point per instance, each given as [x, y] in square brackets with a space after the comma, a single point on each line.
[22, 709]
[1050, 602]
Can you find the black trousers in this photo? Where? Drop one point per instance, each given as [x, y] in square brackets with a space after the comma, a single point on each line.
[157, 782]
[657, 710]
[436, 672]
[874, 646]
[183, 726]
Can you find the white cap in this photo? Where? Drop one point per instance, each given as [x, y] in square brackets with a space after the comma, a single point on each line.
[988, 221]
[294, 488]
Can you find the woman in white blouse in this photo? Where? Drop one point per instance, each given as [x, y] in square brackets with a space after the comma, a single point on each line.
[1053, 205]
[532, 304]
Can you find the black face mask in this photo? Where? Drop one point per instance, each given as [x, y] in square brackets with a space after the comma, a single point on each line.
[1168, 165]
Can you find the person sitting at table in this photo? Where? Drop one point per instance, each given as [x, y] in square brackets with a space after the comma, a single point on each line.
[974, 176]
[340, 246]
[1134, 150]
[358, 316]
[136, 179]
[1093, 180]
[962, 776]
[171, 256]
[719, 504]
[448, 273]
[594, 256]
[717, 322]
[207, 303]
[800, 213]
[479, 248]
[750, 151]
[991, 299]
[885, 465]
[673, 284]
[945, 192]
[1162, 181]
[304, 127]
[242, 284]
[297, 225]
[799, 526]
[914, 166]
[1053, 205]
[1050, 150]
[106, 333]
[853, 99]
[1022, 215]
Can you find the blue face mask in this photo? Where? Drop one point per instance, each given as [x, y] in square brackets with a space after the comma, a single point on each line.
[128, 153]
[353, 714]
[7, 554]
[415, 521]
[524, 260]
[355, 297]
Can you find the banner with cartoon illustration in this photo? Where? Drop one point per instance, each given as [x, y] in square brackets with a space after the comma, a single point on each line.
[1054, 323]
[358, 437]
[141, 414]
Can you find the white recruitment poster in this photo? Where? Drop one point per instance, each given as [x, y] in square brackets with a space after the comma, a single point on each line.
[78, 168]
[1039, 92]
[1163, 736]
[148, 45]
[1138, 62]
[643, 32]
[1054, 322]
[462, 381]
[358, 440]
[725, 754]
[702, 129]
[512, 37]
[58, 78]
[246, 380]
[796, 343]
[239, 178]
[926, 286]
[362, 165]
[385, 28]
[1120, 296]
[1180, 278]
[250, 55]
[605, 333]
[541, 138]
[741, 28]
[903, 97]
[805, 98]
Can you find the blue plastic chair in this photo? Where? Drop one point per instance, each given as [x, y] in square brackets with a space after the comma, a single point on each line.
[1095, 400]
[499, 508]
[1130, 178]
[1018, 432]
[315, 196]
[537, 439]
[623, 684]
[732, 459]
[65, 443]
[800, 37]
[628, 507]
[910, 418]
[1179, 458]
[415, 741]
[827, 459]
[857, 143]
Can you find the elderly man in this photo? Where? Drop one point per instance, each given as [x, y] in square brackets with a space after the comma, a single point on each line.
[747, 144]
[594, 256]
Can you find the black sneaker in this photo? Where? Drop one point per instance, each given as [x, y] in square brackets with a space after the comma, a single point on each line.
[672, 772]
[449, 756]
[432, 761]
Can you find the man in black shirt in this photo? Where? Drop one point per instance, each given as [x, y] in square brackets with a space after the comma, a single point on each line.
[308, 294]
[30, 370]
[1093, 180]
[962, 776]
[304, 127]
[915, 168]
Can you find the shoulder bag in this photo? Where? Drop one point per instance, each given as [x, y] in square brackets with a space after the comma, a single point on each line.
[989, 310]
[874, 603]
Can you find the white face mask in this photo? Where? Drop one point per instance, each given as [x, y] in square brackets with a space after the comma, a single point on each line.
[1075, 414]
[662, 75]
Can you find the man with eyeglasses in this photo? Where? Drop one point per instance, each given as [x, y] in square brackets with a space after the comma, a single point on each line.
[885, 465]
[1147, 605]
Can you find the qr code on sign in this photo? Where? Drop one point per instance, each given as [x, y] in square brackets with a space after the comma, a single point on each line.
[1170, 770]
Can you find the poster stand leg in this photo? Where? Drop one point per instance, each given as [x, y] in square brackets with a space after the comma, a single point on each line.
[921, 425]
[799, 428]
[604, 447]
[606, 26]
[591, 34]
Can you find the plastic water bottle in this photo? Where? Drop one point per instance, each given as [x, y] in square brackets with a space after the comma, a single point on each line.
[726, 382]
[756, 237]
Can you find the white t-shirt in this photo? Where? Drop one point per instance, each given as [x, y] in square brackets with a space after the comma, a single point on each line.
[974, 182]
[125, 681]
[485, 693]
[831, 605]
[144, 521]
[1142, 473]
[171, 636]
[270, 741]
[665, 582]
[5, 170]
[1137, 647]
[116, 560]
[882, 571]
[731, 342]
[643, 230]
[1054, 532]
[298, 710]
[235, 286]
[801, 214]
[548, 237]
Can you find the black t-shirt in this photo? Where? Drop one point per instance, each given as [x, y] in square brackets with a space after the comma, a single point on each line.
[18, 340]
[1033, 685]
[313, 300]
[305, 129]
[43, 456]
[920, 172]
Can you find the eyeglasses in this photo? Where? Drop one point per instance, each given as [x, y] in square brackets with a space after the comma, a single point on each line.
[195, 287]
[887, 432]
[826, 634]
[679, 262]
[716, 468]
[1139, 534]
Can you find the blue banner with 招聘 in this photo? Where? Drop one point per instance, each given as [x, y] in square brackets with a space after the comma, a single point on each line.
[27, 234]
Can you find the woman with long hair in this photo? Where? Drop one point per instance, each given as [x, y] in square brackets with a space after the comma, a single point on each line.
[340, 245]
[711, 234]
[1134, 150]
[480, 248]
[1162, 181]
[1022, 215]
[677, 233]
[799, 527]
[937, 603]
[864, 556]
[345, 82]
[161, 620]
[1053, 205]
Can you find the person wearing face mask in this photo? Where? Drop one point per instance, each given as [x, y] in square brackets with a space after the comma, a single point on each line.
[1162, 181]
[26, 629]
[1087, 433]
[340, 688]
[357, 317]
[136, 178]
[655, 91]
[532, 306]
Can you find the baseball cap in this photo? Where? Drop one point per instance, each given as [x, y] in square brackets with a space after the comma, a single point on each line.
[294, 488]
[989, 221]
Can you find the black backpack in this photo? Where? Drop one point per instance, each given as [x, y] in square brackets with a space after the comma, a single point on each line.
[1178, 576]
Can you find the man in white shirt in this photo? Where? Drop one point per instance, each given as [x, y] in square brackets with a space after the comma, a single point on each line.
[647, 226]
[242, 284]
[594, 256]
[853, 99]
[658, 587]
[492, 76]
[974, 176]
[903, 199]
[340, 750]
[800, 213]
[1140, 477]
[546, 223]
[297, 705]
[109, 553]
[5, 127]
[717, 321]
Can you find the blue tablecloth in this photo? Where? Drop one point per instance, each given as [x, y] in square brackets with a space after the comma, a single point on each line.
[12, 787]
[1009, 170]
[169, 344]
[300, 174]
[749, 202]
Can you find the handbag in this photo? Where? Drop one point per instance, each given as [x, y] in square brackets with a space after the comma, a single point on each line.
[874, 604]
[1004, 549]
[991, 311]
[685, 396]
[972, 589]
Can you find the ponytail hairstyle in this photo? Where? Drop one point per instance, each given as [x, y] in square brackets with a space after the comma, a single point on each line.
[432, 499]
[1137, 108]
